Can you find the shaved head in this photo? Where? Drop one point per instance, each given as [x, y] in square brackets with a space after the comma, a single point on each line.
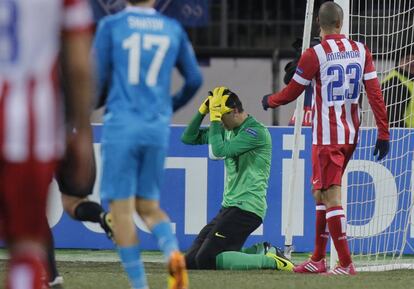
[330, 16]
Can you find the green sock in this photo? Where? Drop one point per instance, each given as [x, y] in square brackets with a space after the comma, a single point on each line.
[233, 260]
[257, 248]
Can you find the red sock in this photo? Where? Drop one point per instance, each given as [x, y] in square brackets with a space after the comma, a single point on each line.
[26, 271]
[337, 227]
[321, 233]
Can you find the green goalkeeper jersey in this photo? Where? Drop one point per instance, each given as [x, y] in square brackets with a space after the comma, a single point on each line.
[247, 151]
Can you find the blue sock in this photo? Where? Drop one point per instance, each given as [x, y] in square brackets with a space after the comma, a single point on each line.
[166, 239]
[133, 266]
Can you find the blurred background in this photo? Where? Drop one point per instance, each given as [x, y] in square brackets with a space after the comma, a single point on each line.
[240, 44]
[245, 44]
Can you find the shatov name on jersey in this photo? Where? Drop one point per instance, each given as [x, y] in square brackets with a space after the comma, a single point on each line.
[145, 23]
[342, 55]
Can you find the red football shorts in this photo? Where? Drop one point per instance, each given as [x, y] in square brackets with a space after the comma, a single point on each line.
[329, 163]
[23, 197]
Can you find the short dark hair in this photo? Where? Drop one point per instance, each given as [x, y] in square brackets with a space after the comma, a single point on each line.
[234, 101]
[329, 14]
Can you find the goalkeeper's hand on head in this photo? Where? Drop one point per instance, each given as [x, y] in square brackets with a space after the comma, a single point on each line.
[381, 148]
[204, 107]
[215, 103]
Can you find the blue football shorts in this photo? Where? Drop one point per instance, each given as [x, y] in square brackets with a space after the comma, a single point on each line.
[131, 170]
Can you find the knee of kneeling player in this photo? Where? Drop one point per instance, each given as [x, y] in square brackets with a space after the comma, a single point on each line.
[205, 260]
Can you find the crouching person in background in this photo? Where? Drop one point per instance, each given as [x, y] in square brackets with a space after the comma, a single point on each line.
[246, 147]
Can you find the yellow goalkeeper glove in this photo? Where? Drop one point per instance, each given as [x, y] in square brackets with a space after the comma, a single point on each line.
[203, 109]
[217, 103]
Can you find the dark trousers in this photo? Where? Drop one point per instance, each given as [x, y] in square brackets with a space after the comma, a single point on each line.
[227, 231]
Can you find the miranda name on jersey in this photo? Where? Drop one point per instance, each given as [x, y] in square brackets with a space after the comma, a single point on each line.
[342, 55]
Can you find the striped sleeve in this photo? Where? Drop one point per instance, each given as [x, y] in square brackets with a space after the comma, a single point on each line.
[77, 16]
[369, 69]
[307, 67]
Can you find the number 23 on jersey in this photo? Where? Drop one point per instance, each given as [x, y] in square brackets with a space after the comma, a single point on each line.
[346, 84]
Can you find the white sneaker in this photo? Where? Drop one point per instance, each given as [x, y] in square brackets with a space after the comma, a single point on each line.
[56, 282]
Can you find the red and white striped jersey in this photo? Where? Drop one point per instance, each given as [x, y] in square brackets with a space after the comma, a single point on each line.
[337, 69]
[30, 106]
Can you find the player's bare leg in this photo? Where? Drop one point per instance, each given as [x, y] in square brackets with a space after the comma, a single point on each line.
[159, 224]
[332, 197]
[122, 218]
[70, 203]
[150, 212]
[127, 241]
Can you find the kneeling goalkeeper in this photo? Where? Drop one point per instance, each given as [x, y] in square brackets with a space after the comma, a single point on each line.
[246, 147]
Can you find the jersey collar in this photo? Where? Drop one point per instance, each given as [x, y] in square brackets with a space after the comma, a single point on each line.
[334, 36]
[143, 10]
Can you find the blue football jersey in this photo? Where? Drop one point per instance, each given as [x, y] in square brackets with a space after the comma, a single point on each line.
[136, 51]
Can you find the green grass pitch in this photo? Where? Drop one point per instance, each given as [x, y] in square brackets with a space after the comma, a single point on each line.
[100, 270]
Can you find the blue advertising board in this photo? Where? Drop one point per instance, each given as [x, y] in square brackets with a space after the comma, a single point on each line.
[379, 196]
